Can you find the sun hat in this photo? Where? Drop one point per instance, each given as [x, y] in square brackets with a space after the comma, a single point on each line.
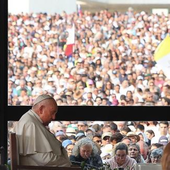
[133, 134]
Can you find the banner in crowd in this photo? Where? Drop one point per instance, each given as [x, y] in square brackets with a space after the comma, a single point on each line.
[162, 56]
[70, 41]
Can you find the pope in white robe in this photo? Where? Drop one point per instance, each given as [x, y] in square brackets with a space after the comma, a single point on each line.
[37, 145]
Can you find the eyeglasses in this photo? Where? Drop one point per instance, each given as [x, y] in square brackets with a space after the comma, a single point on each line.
[106, 138]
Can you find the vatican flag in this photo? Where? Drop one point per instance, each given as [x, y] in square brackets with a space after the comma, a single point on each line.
[162, 56]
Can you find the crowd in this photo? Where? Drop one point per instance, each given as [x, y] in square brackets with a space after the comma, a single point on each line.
[112, 136]
[112, 63]
[107, 138]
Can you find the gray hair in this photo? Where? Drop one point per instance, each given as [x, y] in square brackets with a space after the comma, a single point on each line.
[135, 145]
[83, 142]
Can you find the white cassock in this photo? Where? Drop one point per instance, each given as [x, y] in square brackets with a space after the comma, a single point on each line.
[37, 145]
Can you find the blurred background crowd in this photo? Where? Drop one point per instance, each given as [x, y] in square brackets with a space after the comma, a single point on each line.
[112, 63]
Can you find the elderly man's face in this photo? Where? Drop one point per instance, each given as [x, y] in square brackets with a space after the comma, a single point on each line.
[48, 112]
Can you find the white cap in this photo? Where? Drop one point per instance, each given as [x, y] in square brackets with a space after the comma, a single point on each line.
[140, 78]
[41, 98]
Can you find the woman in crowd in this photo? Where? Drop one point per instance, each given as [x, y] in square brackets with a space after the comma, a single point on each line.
[151, 148]
[134, 152]
[68, 145]
[156, 155]
[121, 159]
[150, 134]
[85, 153]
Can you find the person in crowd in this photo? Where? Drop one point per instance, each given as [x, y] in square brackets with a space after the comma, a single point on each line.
[156, 155]
[140, 129]
[106, 138]
[150, 134]
[133, 137]
[98, 128]
[91, 131]
[120, 158]
[155, 146]
[134, 152]
[126, 140]
[97, 138]
[80, 134]
[36, 144]
[106, 152]
[85, 152]
[72, 138]
[60, 136]
[68, 145]
[165, 160]
[151, 148]
[125, 130]
[82, 125]
[116, 138]
[142, 145]
[163, 131]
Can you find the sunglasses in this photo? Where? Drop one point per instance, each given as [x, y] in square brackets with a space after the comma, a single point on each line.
[106, 138]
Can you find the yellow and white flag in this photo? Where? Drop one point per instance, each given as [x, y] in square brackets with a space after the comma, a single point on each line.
[162, 56]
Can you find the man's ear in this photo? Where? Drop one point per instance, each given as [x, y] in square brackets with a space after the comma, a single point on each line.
[41, 109]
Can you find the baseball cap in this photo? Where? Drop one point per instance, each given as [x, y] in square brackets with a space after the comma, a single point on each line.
[163, 140]
[41, 98]
[106, 134]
